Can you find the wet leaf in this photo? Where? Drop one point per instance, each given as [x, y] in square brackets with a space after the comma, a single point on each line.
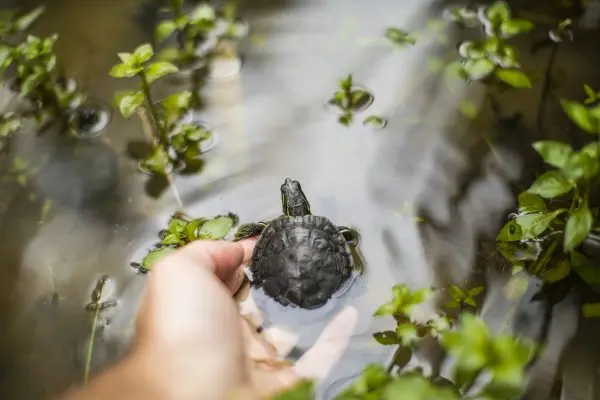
[407, 332]
[399, 37]
[25, 21]
[533, 225]
[514, 78]
[591, 310]
[588, 272]
[216, 228]
[180, 100]
[303, 390]
[155, 255]
[557, 271]
[124, 71]
[158, 162]
[345, 119]
[579, 224]
[531, 203]
[374, 122]
[403, 301]
[579, 114]
[472, 50]
[551, 184]
[417, 387]
[129, 102]
[515, 27]
[164, 30]
[159, 69]
[498, 12]
[511, 232]
[346, 83]
[553, 152]
[477, 69]
[142, 54]
[387, 338]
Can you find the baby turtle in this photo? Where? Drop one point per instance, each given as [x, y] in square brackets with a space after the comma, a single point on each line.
[300, 259]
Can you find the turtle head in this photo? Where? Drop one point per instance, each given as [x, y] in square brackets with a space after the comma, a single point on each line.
[293, 200]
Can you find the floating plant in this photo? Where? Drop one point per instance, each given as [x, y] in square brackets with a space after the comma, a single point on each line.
[375, 122]
[492, 59]
[349, 99]
[555, 220]
[399, 37]
[181, 230]
[177, 145]
[49, 96]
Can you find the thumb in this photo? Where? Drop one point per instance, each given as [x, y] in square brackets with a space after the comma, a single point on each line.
[317, 362]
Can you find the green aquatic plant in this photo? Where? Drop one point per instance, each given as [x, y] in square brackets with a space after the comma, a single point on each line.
[491, 58]
[49, 96]
[399, 37]
[349, 99]
[96, 305]
[554, 214]
[177, 144]
[181, 230]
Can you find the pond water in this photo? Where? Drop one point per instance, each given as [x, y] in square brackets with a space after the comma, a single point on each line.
[429, 161]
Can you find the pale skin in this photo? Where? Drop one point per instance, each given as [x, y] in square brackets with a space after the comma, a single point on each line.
[192, 343]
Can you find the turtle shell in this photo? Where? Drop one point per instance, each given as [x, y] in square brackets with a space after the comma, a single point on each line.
[301, 261]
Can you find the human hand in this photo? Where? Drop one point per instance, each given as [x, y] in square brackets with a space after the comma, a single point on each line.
[192, 343]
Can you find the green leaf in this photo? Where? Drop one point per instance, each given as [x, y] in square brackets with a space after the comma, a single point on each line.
[370, 382]
[9, 126]
[171, 239]
[553, 152]
[155, 255]
[557, 271]
[590, 273]
[581, 165]
[415, 387]
[579, 224]
[386, 309]
[142, 54]
[498, 12]
[513, 77]
[129, 102]
[591, 93]
[399, 37]
[533, 225]
[515, 27]
[477, 69]
[125, 58]
[468, 344]
[475, 291]
[216, 228]
[387, 338]
[303, 390]
[531, 203]
[191, 230]
[24, 22]
[164, 30]
[591, 310]
[124, 71]
[456, 293]
[579, 114]
[203, 13]
[176, 101]
[407, 332]
[158, 161]
[550, 184]
[159, 69]
[510, 232]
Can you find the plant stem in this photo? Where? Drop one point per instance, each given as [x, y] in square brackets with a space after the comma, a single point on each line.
[90, 350]
[150, 104]
[546, 86]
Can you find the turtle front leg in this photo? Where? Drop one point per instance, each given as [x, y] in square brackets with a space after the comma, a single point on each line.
[350, 235]
[246, 231]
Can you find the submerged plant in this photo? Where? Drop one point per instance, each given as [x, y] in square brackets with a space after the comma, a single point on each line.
[555, 215]
[182, 230]
[399, 37]
[349, 99]
[96, 305]
[177, 144]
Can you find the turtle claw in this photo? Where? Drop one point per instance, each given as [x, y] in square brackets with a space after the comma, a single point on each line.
[350, 235]
[248, 230]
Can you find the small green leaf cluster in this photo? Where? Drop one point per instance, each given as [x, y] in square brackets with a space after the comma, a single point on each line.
[349, 99]
[531, 239]
[181, 230]
[399, 37]
[593, 97]
[502, 359]
[463, 298]
[176, 143]
[38, 80]
[492, 56]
